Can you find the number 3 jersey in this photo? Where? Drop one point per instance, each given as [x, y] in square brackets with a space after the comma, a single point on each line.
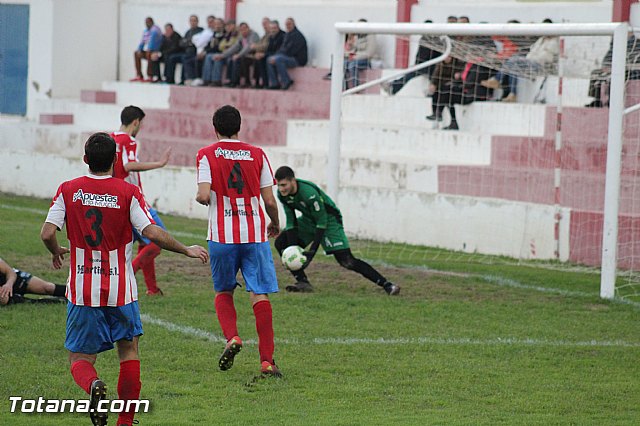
[236, 172]
[99, 212]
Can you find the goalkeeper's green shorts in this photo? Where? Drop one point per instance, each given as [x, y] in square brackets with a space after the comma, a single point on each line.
[333, 240]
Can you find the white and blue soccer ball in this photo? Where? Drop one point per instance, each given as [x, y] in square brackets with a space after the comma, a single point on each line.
[293, 258]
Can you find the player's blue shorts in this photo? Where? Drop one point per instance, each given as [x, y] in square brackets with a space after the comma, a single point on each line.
[252, 259]
[156, 219]
[93, 330]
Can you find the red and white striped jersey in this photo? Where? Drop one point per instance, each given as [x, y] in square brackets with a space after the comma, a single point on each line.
[236, 171]
[99, 212]
[127, 149]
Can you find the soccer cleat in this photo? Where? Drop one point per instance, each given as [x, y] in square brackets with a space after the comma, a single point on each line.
[270, 369]
[98, 393]
[300, 287]
[234, 346]
[391, 288]
[157, 292]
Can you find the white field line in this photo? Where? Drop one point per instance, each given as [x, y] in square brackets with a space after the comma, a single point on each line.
[452, 341]
[492, 279]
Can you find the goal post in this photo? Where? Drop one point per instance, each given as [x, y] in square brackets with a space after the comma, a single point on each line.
[618, 32]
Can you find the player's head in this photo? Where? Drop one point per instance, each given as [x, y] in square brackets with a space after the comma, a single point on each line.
[100, 152]
[131, 117]
[226, 121]
[286, 179]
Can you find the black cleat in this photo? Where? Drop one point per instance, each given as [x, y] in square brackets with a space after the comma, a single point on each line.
[98, 393]
[234, 346]
[391, 288]
[300, 287]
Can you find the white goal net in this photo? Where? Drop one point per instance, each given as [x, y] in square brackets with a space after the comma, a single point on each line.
[504, 144]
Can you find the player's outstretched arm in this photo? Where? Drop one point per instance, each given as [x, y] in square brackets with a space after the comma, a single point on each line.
[137, 166]
[167, 242]
[48, 236]
[271, 206]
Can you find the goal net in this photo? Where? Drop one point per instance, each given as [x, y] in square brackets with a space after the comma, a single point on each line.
[504, 143]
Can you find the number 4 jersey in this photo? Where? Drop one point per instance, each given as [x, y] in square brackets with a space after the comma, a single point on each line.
[236, 172]
[99, 212]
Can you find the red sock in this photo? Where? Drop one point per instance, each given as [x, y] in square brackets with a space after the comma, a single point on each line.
[84, 373]
[129, 387]
[264, 326]
[227, 317]
[145, 261]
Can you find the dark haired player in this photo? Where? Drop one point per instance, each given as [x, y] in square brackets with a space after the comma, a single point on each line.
[127, 167]
[232, 178]
[99, 212]
[320, 223]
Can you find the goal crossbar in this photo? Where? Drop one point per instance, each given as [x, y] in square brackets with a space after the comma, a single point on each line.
[619, 33]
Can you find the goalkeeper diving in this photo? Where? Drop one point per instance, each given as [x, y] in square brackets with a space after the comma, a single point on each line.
[319, 224]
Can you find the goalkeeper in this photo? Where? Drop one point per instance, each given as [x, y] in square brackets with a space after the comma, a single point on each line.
[319, 224]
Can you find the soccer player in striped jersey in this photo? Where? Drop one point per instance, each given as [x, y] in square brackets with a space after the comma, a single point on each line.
[99, 212]
[232, 177]
[128, 167]
[320, 223]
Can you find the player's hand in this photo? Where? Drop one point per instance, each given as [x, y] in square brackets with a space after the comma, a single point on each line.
[58, 257]
[198, 252]
[273, 230]
[165, 157]
[6, 291]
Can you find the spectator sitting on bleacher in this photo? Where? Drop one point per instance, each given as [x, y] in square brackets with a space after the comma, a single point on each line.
[150, 43]
[544, 52]
[220, 59]
[276, 37]
[212, 49]
[186, 47]
[259, 50]
[361, 49]
[292, 53]
[602, 75]
[192, 63]
[170, 45]
[242, 60]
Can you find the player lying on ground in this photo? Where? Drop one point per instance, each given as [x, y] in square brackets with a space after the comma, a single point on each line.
[99, 212]
[320, 224]
[14, 284]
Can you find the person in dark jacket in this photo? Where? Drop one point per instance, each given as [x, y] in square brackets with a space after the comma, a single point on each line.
[274, 41]
[170, 45]
[292, 53]
[186, 45]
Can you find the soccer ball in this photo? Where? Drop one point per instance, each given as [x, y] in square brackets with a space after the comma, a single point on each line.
[292, 258]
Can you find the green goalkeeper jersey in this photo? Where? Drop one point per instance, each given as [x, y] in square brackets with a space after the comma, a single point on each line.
[314, 205]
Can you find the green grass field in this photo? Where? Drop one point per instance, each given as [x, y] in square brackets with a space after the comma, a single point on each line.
[465, 343]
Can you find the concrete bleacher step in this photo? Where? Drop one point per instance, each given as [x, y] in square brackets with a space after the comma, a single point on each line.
[266, 103]
[311, 80]
[56, 118]
[98, 96]
[578, 189]
[484, 117]
[87, 115]
[144, 95]
[28, 136]
[357, 169]
[415, 145]
[198, 126]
